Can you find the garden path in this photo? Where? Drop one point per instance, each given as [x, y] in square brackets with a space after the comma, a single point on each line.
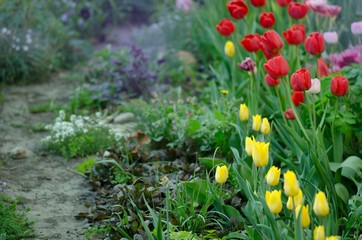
[44, 182]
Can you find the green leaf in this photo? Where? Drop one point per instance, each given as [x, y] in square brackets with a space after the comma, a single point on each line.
[193, 126]
[232, 213]
[342, 192]
[210, 163]
[198, 190]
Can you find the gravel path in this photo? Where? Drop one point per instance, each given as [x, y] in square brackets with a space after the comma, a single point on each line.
[52, 192]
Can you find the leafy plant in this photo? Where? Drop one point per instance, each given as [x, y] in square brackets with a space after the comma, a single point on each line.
[13, 224]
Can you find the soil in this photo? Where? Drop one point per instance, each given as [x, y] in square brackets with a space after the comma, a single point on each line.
[53, 193]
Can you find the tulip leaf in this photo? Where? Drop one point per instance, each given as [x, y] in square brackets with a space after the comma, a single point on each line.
[350, 167]
[210, 163]
[342, 192]
[232, 214]
[198, 190]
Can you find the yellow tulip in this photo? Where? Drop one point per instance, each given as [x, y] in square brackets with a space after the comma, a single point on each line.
[320, 206]
[222, 174]
[298, 200]
[318, 233]
[249, 142]
[291, 185]
[272, 176]
[265, 126]
[244, 112]
[274, 201]
[229, 49]
[305, 215]
[260, 153]
[256, 122]
[332, 238]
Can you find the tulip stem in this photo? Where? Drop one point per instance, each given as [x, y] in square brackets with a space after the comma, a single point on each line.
[293, 108]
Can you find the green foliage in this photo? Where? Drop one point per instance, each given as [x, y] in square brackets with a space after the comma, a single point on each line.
[81, 136]
[187, 125]
[13, 224]
[86, 166]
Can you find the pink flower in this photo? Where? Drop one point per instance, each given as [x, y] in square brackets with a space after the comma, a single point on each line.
[345, 58]
[184, 5]
[356, 28]
[323, 8]
[330, 37]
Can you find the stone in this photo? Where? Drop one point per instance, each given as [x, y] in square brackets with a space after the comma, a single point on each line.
[124, 118]
[19, 153]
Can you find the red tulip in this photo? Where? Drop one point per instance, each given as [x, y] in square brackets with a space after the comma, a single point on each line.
[295, 35]
[300, 80]
[297, 10]
[339, 86]
[251, 42]
[270, 81]
[277, 67]
[283, 3]
[225, 27]
[322, 68]
[271, 44]
[266, 19]
[297, 97]
[258, 3]
[314, 44]
[289, 114]
[237, 8]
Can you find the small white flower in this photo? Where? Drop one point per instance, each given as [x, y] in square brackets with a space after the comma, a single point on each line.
[25, 48]
[62, 114]
[315, 87]
[4, 30]
[17, 48]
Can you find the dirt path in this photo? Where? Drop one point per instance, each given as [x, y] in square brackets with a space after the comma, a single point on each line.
[53, 194]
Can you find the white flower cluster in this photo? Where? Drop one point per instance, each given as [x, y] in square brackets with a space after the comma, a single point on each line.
[62, 129]
[17, 42]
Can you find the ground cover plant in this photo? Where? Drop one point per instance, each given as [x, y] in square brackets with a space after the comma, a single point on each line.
[13, 223]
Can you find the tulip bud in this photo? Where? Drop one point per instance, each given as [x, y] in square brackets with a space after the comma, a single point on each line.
[274, 201]
[225, 27]
[322, 68]
[356, 28]
[305, 215]
[316, 86]
[289, 114]
[314, 44]
[248, 65]
[298, 200]
[320, 206]
[267, 19]
[272, 176]
[277, 67]
[265, 126]
[330, 37]
[229, 49]
[318, 233]
[297, 97]
[249, 142]
[244, 112]
[260, 153]
[222, 174]
[256, 122]
[300, 80]
[339, 86]
[270, 81]
[297, 10]
[291, 184]
[237, 8]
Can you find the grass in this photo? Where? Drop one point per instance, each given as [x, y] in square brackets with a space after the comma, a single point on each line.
[13, 223]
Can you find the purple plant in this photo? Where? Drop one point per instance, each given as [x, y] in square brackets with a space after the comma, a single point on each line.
[122, 79]
[345, 58]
